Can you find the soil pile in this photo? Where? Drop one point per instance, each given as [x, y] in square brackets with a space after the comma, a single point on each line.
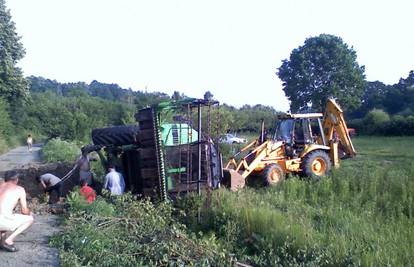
[34, 189]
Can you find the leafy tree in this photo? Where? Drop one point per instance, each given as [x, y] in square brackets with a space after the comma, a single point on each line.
[13, 86]
[323, 67]
[177, 96]
[249, 118]
[374, 96]
[401, 95]
[208, 95]
[73, 118]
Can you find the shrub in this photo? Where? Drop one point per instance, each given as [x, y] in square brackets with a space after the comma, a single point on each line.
[57, 150]
[374, 120]
[398, 126]
[122, 231]
[357, 124]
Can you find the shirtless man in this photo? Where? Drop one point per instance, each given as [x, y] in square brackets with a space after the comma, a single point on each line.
[10, 195]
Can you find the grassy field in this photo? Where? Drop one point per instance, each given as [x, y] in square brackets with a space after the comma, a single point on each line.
[360, 215]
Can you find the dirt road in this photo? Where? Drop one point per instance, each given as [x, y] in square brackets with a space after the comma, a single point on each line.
[18, 157]
[33, 244]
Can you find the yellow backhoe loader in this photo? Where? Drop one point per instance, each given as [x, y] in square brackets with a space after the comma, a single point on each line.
[306, 144]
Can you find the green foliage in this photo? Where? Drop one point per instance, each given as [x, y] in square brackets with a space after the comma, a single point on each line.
[98, 169]
[79, 205]
[397, 99]
[376, 117]
[109, 92]
[10, 135]
[374, 120]
[378, 122]
[57, 150]
[6, 125]
[3, 145]
[374, 97]
[398, 126]
[220, 121]
[125, 232]
[248, 118]
[361, 215]
[73, 118]
[59, 119]
[13, 86]
[323, 67]
[400, 96]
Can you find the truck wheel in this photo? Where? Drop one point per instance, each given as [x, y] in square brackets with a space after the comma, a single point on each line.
[273, 174]
[316, 164]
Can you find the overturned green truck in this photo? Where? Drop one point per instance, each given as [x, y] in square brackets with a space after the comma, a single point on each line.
[163, 155]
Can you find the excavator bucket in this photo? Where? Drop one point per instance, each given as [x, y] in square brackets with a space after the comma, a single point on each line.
[233, 180]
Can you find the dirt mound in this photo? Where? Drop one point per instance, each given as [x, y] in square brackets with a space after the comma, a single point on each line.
[34, 189]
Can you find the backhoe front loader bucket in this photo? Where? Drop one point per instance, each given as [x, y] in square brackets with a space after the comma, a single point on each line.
[233, 180]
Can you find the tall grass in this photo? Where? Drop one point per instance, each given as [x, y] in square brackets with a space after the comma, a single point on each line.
[362, 214]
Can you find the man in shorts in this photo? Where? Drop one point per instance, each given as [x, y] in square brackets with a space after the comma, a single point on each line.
[10, 195]
[51, 183]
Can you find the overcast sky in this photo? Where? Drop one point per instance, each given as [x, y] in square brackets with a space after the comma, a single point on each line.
[232, 48]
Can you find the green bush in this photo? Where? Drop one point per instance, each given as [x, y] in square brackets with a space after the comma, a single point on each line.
[374, 120]
[122, 231]
[57, 150]
[398, 125]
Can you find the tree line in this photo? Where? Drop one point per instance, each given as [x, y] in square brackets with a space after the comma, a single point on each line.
[109, 104]
[324, 66]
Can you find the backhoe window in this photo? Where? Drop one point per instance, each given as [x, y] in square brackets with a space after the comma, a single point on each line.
[284, 131]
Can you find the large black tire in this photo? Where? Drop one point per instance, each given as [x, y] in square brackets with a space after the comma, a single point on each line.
[117, 135]
[316, 164]
[273, 174]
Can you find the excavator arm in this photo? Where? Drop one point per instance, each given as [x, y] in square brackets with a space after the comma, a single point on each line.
[334, 127]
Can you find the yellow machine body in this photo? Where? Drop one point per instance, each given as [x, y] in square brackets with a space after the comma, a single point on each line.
[313, 156]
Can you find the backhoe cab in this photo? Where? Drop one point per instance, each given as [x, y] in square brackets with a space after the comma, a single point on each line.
[306, 144]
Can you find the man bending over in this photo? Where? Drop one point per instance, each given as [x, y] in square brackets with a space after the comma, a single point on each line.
[10, 195]
[50, 184]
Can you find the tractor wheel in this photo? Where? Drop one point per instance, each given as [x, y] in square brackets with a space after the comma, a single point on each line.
[273, 174]
[316, 164]
[116, 135]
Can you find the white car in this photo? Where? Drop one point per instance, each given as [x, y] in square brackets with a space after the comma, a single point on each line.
[231, 139]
